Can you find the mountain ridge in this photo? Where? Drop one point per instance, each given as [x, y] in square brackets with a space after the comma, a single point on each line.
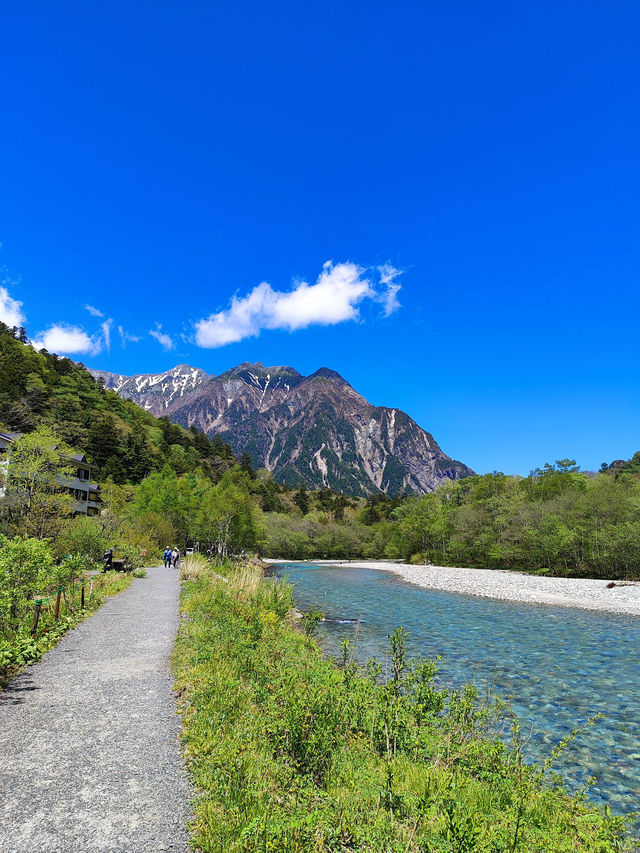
[315, 430]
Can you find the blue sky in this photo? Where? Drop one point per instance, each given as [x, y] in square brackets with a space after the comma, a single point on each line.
[189, 169]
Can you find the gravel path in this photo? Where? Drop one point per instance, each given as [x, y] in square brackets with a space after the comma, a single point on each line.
[509, 586]
[89, 752]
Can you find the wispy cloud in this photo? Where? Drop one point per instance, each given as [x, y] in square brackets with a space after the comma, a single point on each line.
[106, 333]
[163, 339]
[69, 340]
[126, 338]
[95, 312]
[10, 309]
[388, 276]
[335, 298]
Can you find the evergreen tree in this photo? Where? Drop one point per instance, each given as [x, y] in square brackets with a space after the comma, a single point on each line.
[105, 443]
[138, 459]
[301, 500]
[246, 464]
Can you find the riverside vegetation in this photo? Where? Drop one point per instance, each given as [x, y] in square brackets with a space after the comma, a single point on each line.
[292, 752]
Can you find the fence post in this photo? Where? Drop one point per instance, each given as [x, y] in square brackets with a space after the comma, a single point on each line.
[91, 587]
[36, 616]
[82, 598]
[58, 603]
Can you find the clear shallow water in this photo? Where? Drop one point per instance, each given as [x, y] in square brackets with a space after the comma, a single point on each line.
[560, 665]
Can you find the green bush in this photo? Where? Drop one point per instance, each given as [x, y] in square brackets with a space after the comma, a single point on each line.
[26, 570]
[83, 537]
[132, 556]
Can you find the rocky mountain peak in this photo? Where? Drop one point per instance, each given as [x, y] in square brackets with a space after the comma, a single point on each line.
[155, 391]
[315, 430]
[327, 373]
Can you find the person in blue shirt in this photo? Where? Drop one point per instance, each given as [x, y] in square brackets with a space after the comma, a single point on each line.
[167, 557]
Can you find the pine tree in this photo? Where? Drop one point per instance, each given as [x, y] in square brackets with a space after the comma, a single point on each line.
[138, 459]
[301, 500]
[105, 444]
[246, 464]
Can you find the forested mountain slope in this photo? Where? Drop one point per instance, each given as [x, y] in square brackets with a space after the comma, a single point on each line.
[121, 440]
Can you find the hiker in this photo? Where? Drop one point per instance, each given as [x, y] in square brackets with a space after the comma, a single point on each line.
[167, 557]
[107, 560]
[175, 558]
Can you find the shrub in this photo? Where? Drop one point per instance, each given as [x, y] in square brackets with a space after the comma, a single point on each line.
[84, 537]
[132, 556]
[26, 570]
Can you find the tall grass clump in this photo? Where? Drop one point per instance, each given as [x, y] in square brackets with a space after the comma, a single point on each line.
[291, 752]
[192, 566]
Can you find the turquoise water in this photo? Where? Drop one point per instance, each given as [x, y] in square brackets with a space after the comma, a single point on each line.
[560, 665]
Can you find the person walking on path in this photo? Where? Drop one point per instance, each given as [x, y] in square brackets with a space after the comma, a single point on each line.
[175, 558]
[167, 557]
[89, 753]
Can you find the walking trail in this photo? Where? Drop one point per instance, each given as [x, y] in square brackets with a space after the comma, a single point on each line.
[89, 752]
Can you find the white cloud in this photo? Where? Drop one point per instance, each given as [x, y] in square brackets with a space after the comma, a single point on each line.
[95, 312]
[163, 339]
[334, 298]
[69, 340]
[10, 309]
[106, 334]
[126, 338]
[388, 276]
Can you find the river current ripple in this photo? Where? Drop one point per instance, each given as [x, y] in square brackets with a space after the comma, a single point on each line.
[559, 665]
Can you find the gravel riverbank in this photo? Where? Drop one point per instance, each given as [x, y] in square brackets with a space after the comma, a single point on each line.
[510, 586]
[89, 753]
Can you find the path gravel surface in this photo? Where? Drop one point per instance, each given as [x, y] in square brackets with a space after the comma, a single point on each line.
[89, 752]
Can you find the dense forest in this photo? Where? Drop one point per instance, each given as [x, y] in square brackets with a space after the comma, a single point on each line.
[121, 440]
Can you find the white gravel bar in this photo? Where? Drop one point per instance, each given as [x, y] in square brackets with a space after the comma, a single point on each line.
[624, 597]
[89, 753]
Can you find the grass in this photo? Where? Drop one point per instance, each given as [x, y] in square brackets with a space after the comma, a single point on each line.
[23, 649]
[192, 566]
[291, 752]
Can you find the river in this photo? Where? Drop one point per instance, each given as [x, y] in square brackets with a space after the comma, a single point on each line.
[558, 665]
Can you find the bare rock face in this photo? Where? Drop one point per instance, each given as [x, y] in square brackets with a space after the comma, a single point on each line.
[315, 430]
[155, 392]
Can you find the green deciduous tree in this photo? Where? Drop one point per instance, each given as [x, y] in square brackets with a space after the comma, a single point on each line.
[37, 501]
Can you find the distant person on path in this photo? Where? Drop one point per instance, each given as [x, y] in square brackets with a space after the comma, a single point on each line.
[175, 558]
[167, 557]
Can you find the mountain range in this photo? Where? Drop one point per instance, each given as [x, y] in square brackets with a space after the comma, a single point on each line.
[315, 430]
